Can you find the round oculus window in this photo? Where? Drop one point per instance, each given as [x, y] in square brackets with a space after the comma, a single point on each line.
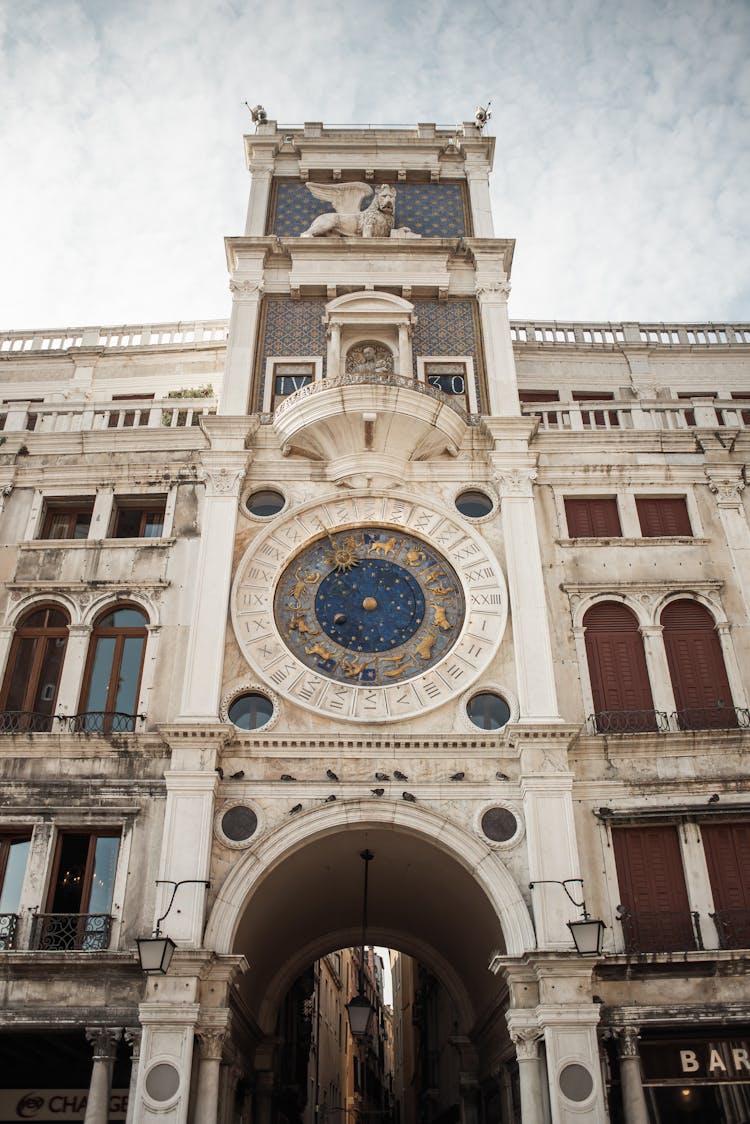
[474, 504]
[162, 1082]
[488, 711]
[576, 1083]
[265, 503]
[250, 711]
[499, 824]
[239, 823]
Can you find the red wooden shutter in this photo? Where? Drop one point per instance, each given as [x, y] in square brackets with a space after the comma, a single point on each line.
[663, 516]
[652, 889]
[592, 517]
[727, 848]
[617, 667]
[696, 667]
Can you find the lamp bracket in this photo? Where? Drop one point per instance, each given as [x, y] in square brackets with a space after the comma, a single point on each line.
[175, 887]
[564, 883]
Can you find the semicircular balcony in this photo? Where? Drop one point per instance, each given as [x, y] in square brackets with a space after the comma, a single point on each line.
[368, 426]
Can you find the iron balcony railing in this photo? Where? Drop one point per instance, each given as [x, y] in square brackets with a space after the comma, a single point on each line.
[25, 722]
[87, 722]
[105, 722]
[660, 931]
[71, 932]
[711, 718]
[660, 722]
[628, 722]
[733, 927]
[8, 926]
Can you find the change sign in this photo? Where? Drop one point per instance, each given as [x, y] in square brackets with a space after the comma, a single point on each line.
[44, 1105]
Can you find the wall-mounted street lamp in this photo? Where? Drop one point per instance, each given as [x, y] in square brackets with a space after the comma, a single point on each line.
[155, 952]
[359, 1009]
[588, 932]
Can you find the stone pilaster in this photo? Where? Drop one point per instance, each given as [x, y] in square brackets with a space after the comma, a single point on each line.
[528, 605]
[727, 486]
[247, 292]
[132, 1035]
[527, 1040]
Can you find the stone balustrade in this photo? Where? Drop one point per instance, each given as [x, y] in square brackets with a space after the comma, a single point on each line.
[640, 414]
[536, 333]
[181, 334]
[83, 415]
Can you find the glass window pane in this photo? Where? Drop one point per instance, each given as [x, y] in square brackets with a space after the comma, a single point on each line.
[153, 527]
[100, 673]
[10, 894]
[124, 618]
[68, 891]
[128, 525]
[57, 525]
[46, 689]
[81, 525]
[130, 670]
[20, 675]
[103, 879]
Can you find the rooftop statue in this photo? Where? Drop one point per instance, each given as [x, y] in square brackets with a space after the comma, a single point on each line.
[376, 221]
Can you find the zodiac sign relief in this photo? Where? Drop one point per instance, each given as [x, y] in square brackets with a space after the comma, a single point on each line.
[425, 646]
[317, 649]
[300, 624]
[382, 548]
[439, 618]
[415, 556]
[300, 586]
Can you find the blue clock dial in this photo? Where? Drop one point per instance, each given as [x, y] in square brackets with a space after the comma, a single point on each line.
[372, 608]
[369, 605]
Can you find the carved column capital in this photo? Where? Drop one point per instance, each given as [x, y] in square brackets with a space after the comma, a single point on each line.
[627, 1041]
[727, 487]
[132, 1035]
[498, 289]
[211, 1042]
[516, 483]
[245, 290]
[526, 1041]
[104, 1041]
[223, 482]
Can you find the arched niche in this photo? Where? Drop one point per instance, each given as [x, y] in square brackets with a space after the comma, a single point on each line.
[368, 315]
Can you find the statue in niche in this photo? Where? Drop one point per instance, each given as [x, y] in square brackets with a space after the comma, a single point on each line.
[376, 221]
[369, 358]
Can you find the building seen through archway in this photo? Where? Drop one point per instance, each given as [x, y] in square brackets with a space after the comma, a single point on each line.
[371, 568]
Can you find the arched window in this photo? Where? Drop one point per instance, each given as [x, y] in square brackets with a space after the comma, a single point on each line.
[29, 692]
[617, 668]
[696, 665]
[113, 671]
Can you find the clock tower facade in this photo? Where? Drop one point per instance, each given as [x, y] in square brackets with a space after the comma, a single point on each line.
[369, 659]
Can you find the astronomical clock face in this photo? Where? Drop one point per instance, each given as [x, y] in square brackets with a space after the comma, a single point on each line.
[372, 609]
[369, 605]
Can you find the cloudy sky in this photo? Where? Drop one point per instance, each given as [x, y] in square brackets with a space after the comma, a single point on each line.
[623, 142]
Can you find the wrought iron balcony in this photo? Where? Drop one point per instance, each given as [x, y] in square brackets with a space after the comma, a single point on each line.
[8, 926]
[71, 932]
[733, 927]
[628, 722]
[661, 931]
[105, 722]
[25, 722]
[711, 718]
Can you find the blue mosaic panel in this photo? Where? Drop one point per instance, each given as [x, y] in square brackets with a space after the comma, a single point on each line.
[446, 328]
[434, 210]
[292, 327]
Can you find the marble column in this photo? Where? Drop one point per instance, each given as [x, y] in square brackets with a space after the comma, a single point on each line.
[633, 1098]
[104, 1042]
[132, 1035]
[210, 1046]
[526, 1042]
[247, 294]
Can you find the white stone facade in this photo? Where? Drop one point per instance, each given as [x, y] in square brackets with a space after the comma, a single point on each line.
[155, 495]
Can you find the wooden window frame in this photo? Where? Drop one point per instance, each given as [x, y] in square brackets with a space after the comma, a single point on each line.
[71, 508]
[579, 501]
[93, 836]
[120, 633]
[40, 635]
[7, 838]
[469, 402]
[315, 362]
[146, 505]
